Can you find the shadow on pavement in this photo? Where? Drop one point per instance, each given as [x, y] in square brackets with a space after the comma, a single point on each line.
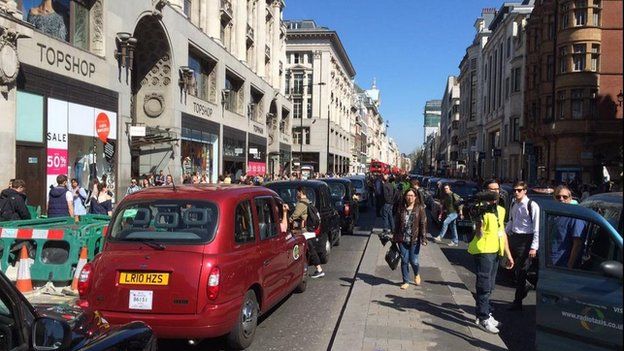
[445, 317]
[449, 284]
[369, 279]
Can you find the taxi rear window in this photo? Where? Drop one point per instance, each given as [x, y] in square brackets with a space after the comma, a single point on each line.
[166, 221]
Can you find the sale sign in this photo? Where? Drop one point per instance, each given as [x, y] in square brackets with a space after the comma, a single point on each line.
[256, 168]
[56, 161]
[102, 126]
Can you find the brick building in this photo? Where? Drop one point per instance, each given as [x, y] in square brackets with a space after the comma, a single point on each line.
[572, 121]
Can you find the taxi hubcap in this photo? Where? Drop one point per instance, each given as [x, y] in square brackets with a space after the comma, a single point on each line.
[248, 318]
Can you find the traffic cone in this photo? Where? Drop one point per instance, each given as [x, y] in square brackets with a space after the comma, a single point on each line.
[81, 263]
[24, 283]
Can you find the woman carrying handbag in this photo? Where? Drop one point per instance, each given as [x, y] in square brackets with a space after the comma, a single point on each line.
[411, 226]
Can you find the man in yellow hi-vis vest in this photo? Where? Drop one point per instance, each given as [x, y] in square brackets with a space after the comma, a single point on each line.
[489, 243]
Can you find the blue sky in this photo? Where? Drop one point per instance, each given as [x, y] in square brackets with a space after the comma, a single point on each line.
[410, 46]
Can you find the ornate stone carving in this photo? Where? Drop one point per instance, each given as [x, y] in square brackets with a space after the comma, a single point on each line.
[154, 105]
[97, 28]
[9, 61]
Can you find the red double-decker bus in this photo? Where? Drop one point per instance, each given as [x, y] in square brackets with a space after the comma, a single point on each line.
[379, 167]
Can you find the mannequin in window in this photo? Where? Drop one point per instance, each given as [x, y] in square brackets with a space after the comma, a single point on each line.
[44, 18]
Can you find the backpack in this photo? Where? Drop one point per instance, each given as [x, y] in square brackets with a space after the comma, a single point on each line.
[313, 221]
[6, 209]
[529, 208]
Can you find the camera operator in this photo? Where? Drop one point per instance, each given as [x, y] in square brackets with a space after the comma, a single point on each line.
[488, 244]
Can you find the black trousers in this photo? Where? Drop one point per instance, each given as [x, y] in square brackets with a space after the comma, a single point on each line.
[313, 257]
[379, 202]
[520, 245]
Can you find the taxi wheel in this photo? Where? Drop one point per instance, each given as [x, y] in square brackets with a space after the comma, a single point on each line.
[303, 285]
[243, 333]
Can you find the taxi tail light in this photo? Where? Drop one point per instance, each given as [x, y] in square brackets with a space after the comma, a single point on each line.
[213, 287]
[347, 210]
[84, 279]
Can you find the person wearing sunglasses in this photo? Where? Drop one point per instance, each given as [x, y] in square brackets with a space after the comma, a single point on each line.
[523, 232]
[567, 241]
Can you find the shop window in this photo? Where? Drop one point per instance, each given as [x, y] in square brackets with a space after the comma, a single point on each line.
[205, 76]
[579, 58]
[29, 123]
[66, 20]
[233, 94]
[595, 57]
[577, 103]
[243, 224]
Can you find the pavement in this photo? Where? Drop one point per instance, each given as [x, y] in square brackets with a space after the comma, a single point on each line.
[437, 315]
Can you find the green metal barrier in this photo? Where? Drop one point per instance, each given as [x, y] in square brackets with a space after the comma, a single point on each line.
[54, 244]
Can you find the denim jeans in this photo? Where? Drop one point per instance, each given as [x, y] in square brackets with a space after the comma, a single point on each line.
[388, 220]
[451, 219]
[409, 257]
[486, 267]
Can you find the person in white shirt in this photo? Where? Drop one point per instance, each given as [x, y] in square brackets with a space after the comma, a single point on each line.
[523, 232]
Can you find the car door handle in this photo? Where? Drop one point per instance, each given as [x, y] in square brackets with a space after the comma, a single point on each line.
[266, 262]
[548, 298]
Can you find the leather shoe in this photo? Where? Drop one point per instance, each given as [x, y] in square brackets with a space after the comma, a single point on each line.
[515, 307]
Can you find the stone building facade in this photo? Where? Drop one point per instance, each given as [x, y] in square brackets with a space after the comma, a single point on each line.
[123, 88]
[319, 81]
[572, 116]
[449, 125]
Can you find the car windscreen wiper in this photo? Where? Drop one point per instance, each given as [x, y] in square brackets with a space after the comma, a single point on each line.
[149, 242]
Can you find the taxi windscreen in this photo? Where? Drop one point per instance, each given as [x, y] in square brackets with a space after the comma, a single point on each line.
[166, 221]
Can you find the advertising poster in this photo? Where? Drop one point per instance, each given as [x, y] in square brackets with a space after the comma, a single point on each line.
[57, 139]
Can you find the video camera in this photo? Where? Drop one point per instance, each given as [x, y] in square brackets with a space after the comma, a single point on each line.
[485, 202]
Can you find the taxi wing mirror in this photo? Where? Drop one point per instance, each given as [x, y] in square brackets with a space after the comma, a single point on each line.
[612, 269]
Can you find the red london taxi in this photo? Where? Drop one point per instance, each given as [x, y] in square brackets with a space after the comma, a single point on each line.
[195, 261]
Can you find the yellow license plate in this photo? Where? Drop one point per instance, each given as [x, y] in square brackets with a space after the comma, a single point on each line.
[137, 278]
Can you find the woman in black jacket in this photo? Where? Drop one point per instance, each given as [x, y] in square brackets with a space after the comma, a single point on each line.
[411, 226]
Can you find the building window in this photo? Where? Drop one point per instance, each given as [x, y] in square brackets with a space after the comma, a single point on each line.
[535, 76]
[517, 77]
[551, 27]
[508, 49]
[565, 16]
[550, 67]
[563, 60]
[203, 73]
[593, 104]
[256, 112]
[548, 116]
[298, 83]
[297, 108]
[70, 20]
[287, 86]
[309, 108]
[596, 16]
[576, 103]
[301, 134]
[188, 7]
[233, 94]
[561, 105]
[310, 80]
[580, 13]
[515, 133]
[297, 57]
[595, 57]
[579, 57]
